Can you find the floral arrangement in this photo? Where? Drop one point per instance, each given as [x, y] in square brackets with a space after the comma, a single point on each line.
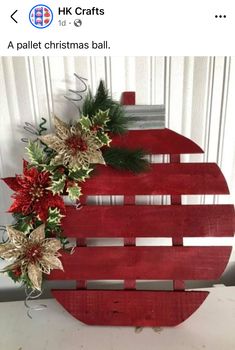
[58, 164]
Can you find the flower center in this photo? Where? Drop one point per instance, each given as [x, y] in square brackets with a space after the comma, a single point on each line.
[76, 144]
[33, 253]
[36, 192]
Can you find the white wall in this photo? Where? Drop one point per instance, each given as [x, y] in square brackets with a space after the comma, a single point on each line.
[198, 93]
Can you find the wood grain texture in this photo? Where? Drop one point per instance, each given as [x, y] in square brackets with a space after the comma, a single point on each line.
[139, 263]
[130, 308]
[163, 141]
[173, 179]
[150, 221]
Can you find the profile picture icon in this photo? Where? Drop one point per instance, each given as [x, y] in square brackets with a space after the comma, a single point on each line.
[41, 16]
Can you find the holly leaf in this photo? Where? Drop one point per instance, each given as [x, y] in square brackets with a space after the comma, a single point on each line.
[57, 186]
[49, 167]
[23, 223]
[104, 138]
[23, 226]
[35, 153]
[54, 217]
[14, 277]
[79, 174]
[58, 173]
[85, 123]
[25, 280]
[74, 192]
[101, 118]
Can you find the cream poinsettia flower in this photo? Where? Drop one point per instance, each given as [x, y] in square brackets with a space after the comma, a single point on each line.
[33, 255]
[76, 147]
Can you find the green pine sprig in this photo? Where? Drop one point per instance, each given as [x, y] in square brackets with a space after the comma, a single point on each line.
[103, 101]
[126, 159]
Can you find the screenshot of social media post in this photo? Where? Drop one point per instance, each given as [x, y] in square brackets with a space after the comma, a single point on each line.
[117, 175]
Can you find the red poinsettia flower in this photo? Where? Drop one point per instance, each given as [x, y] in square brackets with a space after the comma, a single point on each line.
[31, 193]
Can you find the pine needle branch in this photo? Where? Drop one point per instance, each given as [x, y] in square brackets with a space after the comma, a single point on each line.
[126, 159]
[103, 101]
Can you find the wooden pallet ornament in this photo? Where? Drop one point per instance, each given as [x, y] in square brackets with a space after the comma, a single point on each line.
[131, 307]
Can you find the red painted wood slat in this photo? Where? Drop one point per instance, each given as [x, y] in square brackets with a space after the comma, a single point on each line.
[161, 141]
[130, 308]
[163, 263]
[137, 221]
[173, 179]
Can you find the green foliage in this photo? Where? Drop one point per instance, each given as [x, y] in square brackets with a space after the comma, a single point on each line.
[23, 223]
[103, 101]
[57, 186]
[14, 277]
[54, 217]
[85, 123]
[118, 121]
[125, 159]
[79, 174]
[21, 278]
[63, 240]
[74, 192]
[104, 138]
[36, 153]
[49, 167]
[26, 281]
[101, 118]
[53, 223]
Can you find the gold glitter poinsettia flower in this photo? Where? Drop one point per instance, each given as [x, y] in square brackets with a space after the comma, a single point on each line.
[76, 147]
[33, 255]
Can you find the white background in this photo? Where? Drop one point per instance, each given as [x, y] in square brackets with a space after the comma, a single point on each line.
[198, 94]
